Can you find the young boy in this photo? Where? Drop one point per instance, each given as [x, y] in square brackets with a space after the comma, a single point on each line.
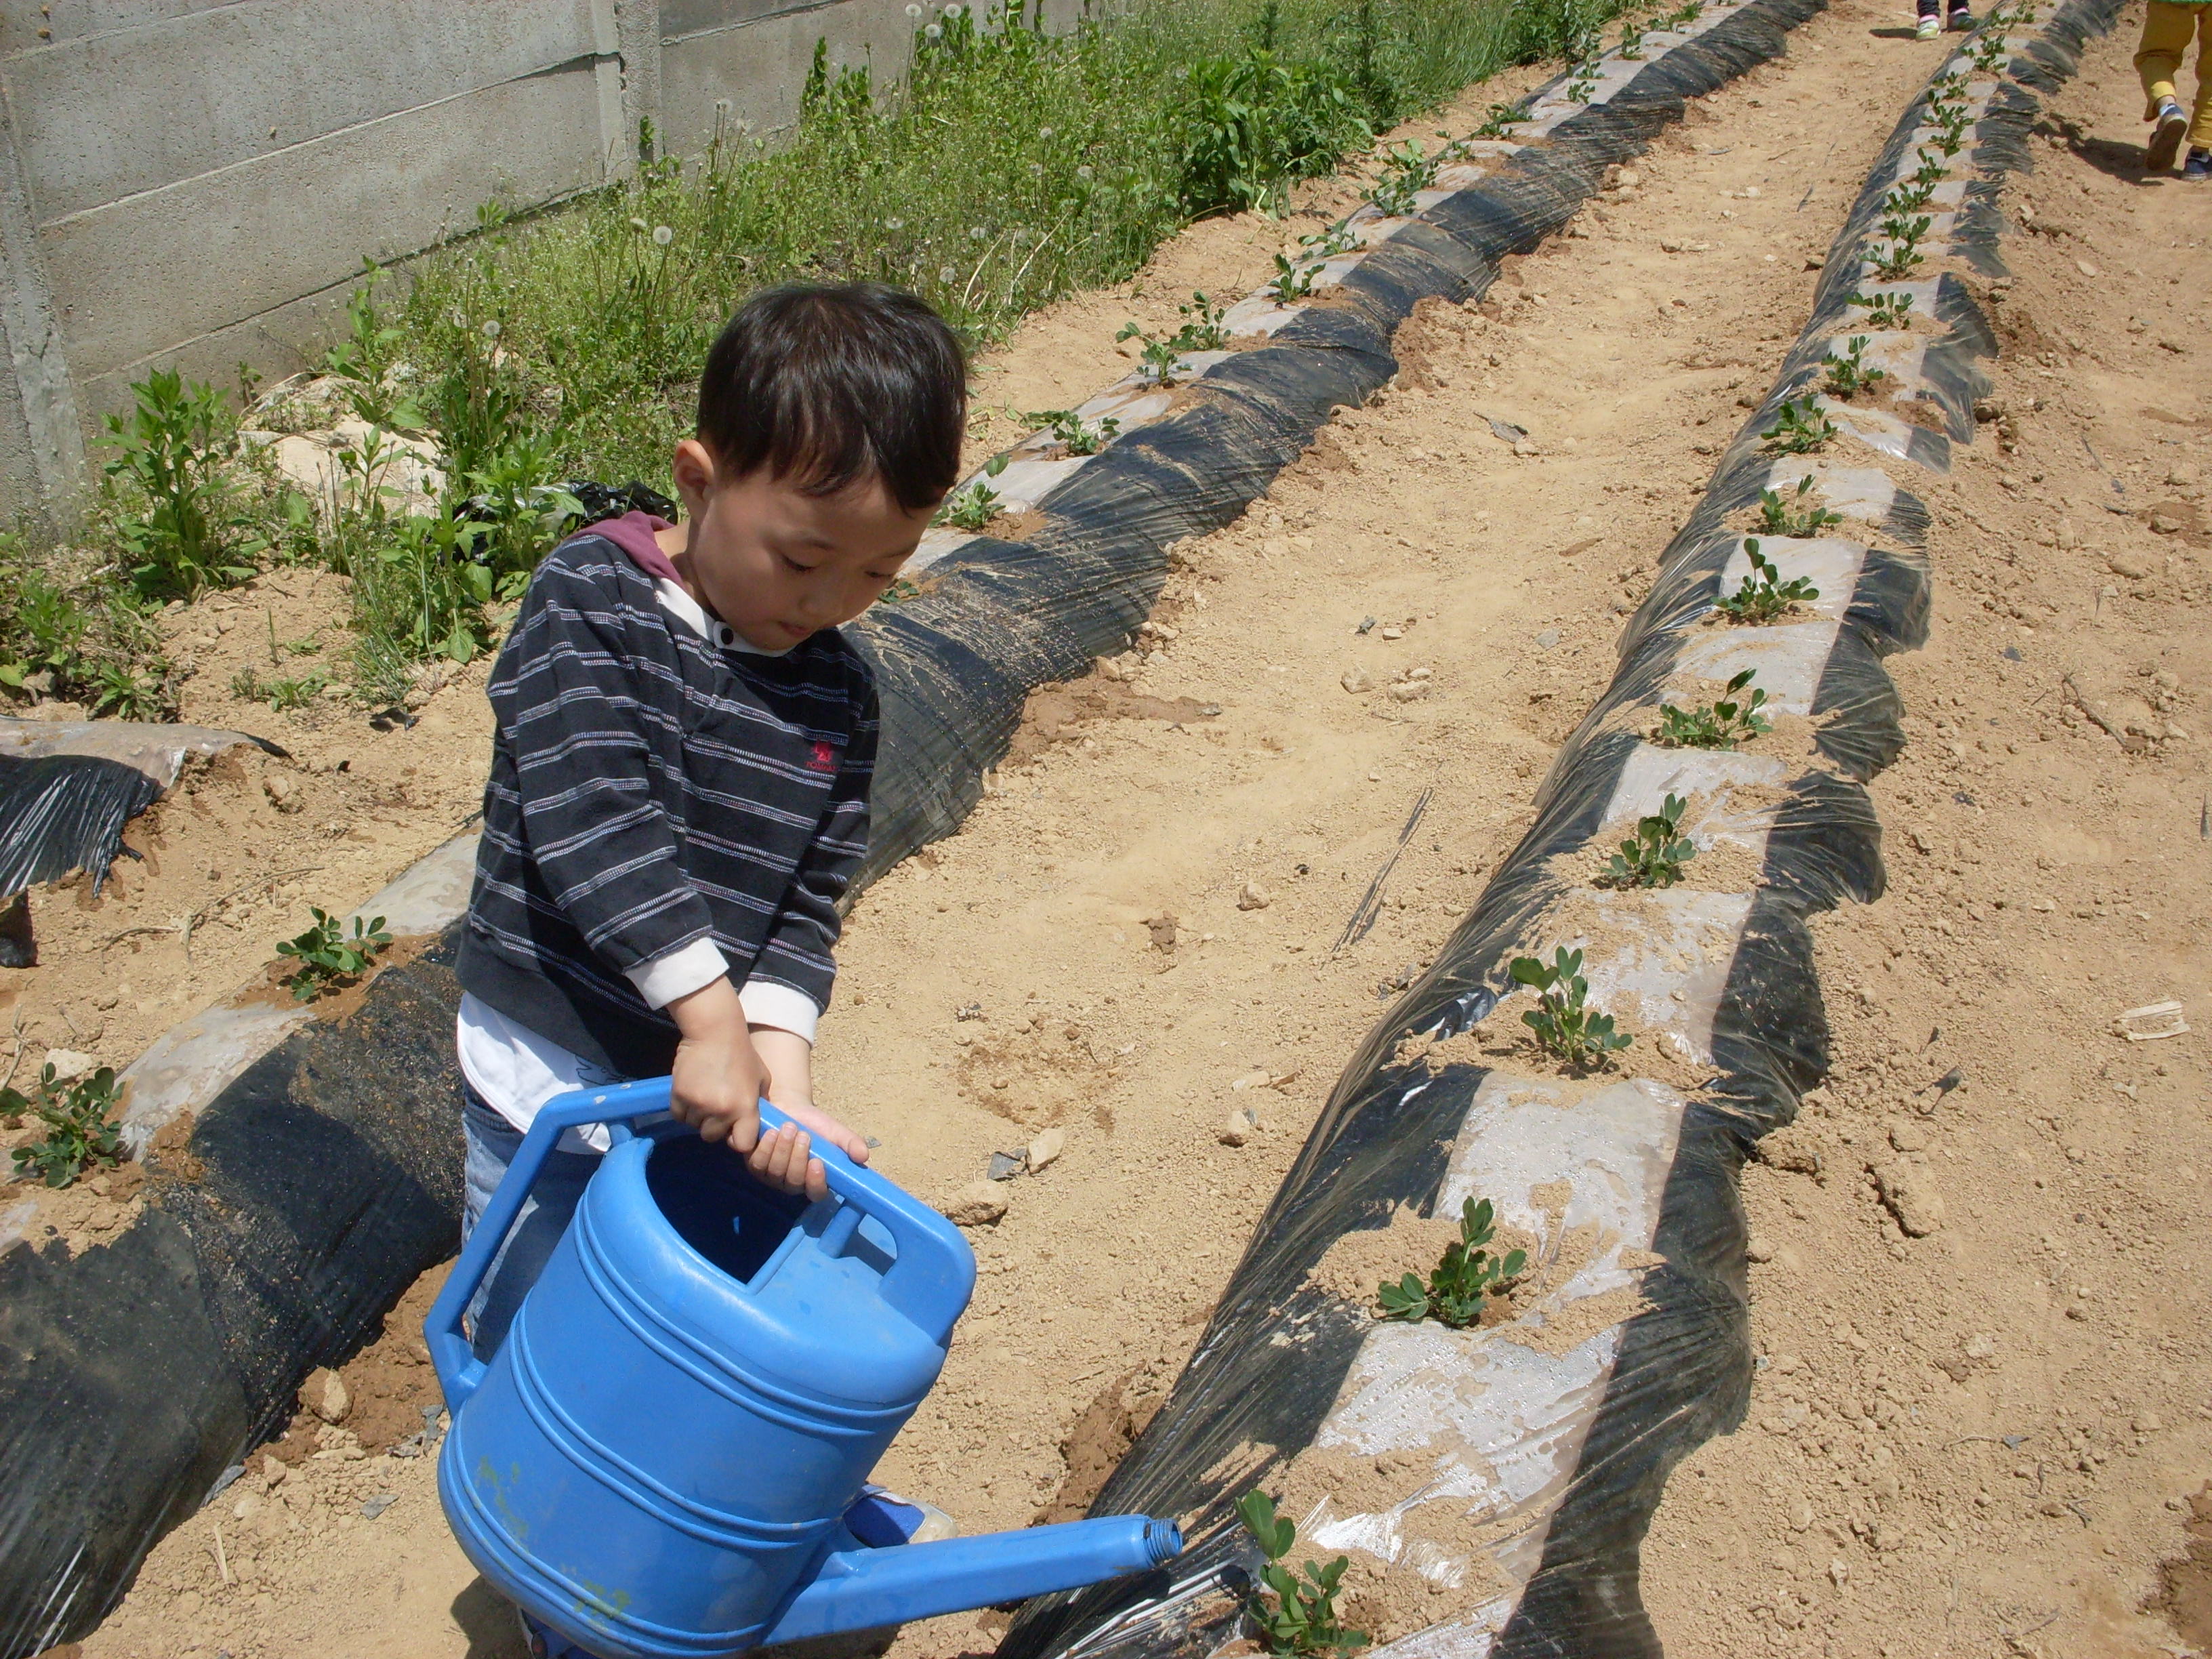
[679, 779]
[2168, 26]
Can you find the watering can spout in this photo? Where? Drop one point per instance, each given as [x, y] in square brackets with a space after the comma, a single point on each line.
[867, 1589]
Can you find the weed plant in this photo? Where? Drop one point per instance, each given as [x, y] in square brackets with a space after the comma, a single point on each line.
[1463, 1280]
[81, 1132]
[328, 957]
[78, 637]
[1799, 429]
[1847, 374]
[1763, 597]
[1406, 172]
[1730, 719]
[1301, 1621]
[1565, 1028]
[1796, 517]
[1655, 855]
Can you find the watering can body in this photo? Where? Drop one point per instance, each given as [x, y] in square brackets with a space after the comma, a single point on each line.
[658, 1461]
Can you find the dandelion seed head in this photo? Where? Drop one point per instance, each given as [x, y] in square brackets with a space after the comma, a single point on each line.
[1044, 132]
[723, 107]
[1085, 173]
[457, 318]
[662, 235]
[893, 224]
[491, 328]
[640, 226]
[954, 9]
[934, 32]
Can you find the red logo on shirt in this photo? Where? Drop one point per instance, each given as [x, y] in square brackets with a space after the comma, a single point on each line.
[825, 757]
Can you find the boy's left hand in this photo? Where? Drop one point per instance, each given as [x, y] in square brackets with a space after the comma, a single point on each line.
[783, 1158]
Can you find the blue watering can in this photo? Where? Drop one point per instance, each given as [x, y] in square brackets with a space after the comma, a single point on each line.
[665, 1459]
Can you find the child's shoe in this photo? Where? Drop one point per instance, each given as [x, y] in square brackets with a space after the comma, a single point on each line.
[2166, 137]
[2198, 165]
[1928, 29]
[1961, 20]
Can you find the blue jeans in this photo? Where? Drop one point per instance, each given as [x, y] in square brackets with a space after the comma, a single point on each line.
[492, 1145]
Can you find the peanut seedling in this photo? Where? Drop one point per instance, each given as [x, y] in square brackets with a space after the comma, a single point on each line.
[1722, 724]
[1794, 518]
[1406, 172]
[1655, 855]
[1887, 312]
[1499, 122]
[1340, 238]
[1762, 597]
[1293, 280]
[80, 1133]
[1566, 1029]
[1463, 1278]
[1908, 196]
[1073, 433]
[1799, 429]
[1302, 1620]
[327, 956]
[1848, 373]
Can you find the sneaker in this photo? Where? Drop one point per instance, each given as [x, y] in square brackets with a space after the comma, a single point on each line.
[2198, 165]
[2166, 137]
[1961, 20]
[1929, 29]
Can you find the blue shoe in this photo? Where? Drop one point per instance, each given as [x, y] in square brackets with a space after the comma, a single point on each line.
[2166, 137]
[2198, 165]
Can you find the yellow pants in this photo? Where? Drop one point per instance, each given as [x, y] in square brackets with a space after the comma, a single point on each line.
[2167, 31]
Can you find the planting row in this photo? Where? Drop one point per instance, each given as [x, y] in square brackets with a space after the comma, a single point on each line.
[1630, 1005]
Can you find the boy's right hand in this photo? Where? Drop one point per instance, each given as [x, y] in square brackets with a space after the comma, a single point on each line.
[717, 1078]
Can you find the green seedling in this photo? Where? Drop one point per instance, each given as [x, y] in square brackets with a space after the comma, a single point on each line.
[1463, 1278]
[971, 508]
[327, 956]
[1728, 721]
[1763, 598]
[1655, 855]
[281, 695]
[1908, 196]
[1202, 330]
[1565, 1028]
[1794, 517]
[1406, 172]
[1885, 311]
[81, 1132]
[1339, 237]
[1687, 15]
[1896, 262]
[1302, 1619]
[1073, 433]
[130, 696]
[1931, 170]
[1847, 372]
[1799, 429]
[1906, 228]
[1500, 121]
[1293, 280]
[1583, 87]
[1631, 42]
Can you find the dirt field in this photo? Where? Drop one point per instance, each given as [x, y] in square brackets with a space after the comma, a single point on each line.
[1981, 1440]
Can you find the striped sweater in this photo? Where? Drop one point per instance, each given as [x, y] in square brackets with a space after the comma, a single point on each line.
[660, 798]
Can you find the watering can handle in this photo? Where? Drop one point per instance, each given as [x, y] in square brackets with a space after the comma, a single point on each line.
[929, 1282]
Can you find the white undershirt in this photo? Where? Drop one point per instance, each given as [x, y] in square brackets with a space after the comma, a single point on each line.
[516, 1071]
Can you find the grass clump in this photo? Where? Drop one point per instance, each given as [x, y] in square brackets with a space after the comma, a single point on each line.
[1764, 596]
[1795, 518]
[1301, 1619]
[1655, 855]
[1730, 719]
[328, 957]
[82, 1132]
[1565, 1028]
[1464, 1278]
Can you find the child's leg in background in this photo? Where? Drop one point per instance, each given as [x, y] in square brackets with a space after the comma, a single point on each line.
[2168, 30]
[492, 1145]
[1930, 16]
[2200, 127]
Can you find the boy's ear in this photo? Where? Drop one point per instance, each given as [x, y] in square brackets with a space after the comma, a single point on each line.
[694, 467]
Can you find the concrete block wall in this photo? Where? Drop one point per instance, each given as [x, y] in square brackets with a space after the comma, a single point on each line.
[194, 183]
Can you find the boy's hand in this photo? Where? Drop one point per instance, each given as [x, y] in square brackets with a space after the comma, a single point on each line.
[721, 1072]
[782, 1154]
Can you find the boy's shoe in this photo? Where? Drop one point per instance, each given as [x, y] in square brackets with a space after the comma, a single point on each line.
[1961, 20]
[1929, 28]
[2166, 137]
[2198, 165]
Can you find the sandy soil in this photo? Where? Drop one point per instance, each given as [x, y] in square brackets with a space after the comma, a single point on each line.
[1625, 351]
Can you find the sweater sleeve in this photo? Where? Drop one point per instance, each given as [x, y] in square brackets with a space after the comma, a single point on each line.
[576, 701]
[798, 950]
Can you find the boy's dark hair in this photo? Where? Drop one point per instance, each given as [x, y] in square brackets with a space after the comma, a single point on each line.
[825, 384]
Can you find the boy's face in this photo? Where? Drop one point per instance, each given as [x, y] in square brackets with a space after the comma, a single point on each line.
[778, 564]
